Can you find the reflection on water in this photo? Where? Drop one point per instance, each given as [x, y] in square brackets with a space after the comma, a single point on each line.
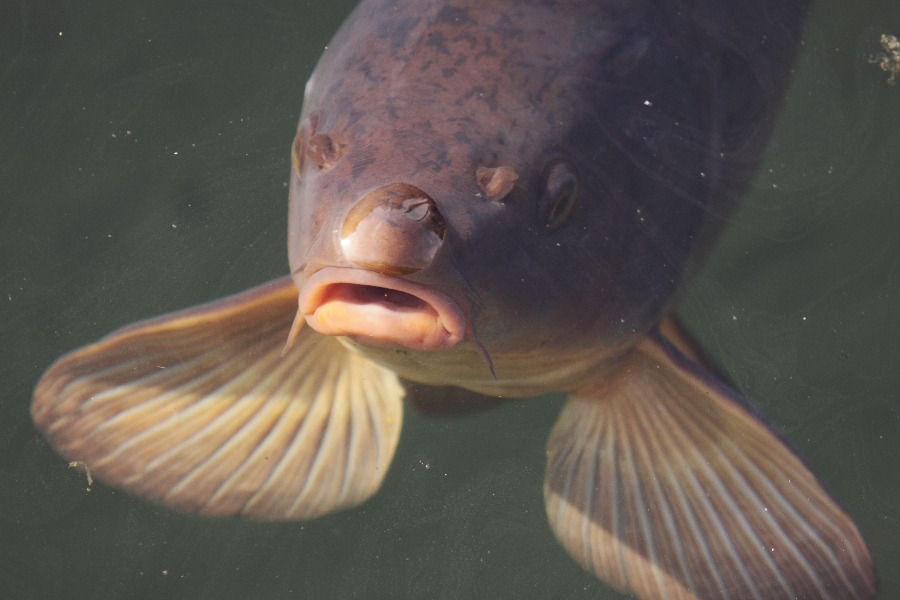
[144, 157]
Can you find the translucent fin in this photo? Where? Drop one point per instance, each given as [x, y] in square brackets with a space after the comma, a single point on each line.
[676, 334]
[198, 410]
[662, 482]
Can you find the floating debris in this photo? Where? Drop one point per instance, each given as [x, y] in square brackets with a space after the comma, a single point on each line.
[82, 466]
[889, 60]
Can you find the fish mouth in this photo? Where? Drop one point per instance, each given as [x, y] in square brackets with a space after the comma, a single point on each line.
[381, 310]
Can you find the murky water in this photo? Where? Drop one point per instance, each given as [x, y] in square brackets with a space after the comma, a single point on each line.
[144, 153]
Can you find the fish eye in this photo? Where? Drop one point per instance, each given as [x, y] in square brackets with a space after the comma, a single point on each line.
[297, 152]
[561, 190]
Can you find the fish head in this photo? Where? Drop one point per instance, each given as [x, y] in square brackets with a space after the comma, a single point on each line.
[475, 193]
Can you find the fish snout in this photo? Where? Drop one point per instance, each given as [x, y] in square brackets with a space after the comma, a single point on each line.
[396, 229]
[391, 232]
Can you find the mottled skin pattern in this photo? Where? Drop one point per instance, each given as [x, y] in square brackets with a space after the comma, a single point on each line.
[661, 111]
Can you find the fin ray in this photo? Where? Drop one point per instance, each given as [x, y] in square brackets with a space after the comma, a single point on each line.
[663, 482]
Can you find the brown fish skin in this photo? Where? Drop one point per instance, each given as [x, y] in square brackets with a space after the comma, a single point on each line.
[505, 197]
[658, 113]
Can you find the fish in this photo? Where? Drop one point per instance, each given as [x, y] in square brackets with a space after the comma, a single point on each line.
[505, 197]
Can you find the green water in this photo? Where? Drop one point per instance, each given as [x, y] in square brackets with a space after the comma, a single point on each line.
[144, 153]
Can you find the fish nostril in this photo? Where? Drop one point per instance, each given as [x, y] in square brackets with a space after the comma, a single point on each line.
[325, 151]
[396, 229]
[496, 182]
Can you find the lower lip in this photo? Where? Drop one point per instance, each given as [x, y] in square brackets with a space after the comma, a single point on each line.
[380, 310]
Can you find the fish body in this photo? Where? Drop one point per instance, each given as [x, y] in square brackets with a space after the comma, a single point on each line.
[504, 197]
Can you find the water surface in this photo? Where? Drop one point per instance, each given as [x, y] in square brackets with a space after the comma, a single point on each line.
[144, 154]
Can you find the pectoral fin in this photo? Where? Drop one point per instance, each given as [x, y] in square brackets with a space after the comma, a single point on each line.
[198, 410]
[661, 481]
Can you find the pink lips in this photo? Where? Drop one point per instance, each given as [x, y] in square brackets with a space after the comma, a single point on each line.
[380, 310]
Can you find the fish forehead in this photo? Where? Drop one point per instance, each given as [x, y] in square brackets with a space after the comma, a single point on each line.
[431, 91]
[456, 68]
